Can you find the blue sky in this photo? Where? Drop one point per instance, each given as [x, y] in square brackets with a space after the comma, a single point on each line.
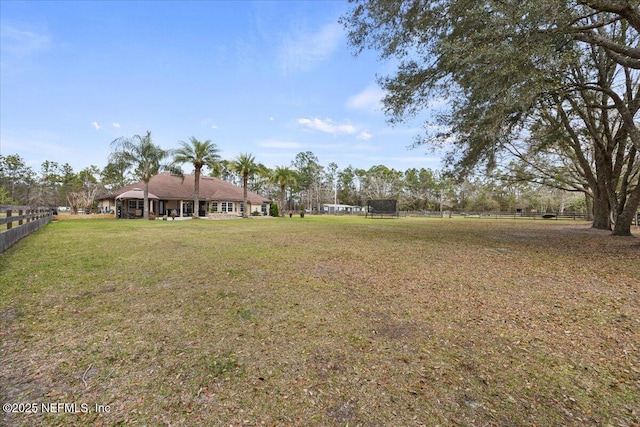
[269, 78]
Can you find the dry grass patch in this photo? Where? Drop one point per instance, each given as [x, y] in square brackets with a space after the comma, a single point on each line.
[63, 216]
[323, 321]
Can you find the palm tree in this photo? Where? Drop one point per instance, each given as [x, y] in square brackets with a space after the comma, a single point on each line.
[145, 159]
[283, 176]
[199, 154]
[245, 165]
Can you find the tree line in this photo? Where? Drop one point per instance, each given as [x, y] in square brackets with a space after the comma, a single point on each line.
[304, 184]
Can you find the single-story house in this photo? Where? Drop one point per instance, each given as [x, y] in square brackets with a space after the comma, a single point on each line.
[174, 194]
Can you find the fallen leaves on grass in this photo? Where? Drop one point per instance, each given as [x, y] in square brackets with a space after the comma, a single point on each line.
[336, 321]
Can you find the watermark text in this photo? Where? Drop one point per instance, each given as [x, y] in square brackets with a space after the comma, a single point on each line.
[55, 408]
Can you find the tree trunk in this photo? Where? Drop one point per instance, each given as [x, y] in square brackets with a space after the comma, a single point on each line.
[196, 192]
[588, 201]
[601, 212]
[245, 179]
[282, 198]
[625, 219]
[601, 205]
[145, 207]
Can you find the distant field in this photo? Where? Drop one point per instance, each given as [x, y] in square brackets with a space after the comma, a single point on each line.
[321, 321]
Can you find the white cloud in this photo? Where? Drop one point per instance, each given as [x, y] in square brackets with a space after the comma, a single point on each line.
[304, 50]
[22, 42]
[271, 119]
[370, 99]
[364, 135]
[96, 125]
[116, 125]
[214, 127]
[327, 126]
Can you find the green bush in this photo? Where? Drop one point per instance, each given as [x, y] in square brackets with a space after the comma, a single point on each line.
[578, 204]
[273, 209]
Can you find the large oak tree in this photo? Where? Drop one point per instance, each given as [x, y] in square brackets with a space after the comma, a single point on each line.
[502, 65]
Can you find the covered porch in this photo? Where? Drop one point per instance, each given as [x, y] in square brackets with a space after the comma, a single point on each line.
[130, 204]
[179, 208]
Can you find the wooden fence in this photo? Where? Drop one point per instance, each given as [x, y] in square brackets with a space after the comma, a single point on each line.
[581, 216]
[577, 216]
[17, 222]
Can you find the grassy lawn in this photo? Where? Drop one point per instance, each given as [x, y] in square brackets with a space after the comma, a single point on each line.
[321, 321]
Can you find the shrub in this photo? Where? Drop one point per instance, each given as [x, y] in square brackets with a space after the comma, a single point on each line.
[256, 213]
[273, 209]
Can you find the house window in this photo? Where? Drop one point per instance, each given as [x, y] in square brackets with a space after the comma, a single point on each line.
[136, 204]
[214, 206]
[241, 207]
[227, 206]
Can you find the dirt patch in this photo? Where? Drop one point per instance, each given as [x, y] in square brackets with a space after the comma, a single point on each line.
[8, 315]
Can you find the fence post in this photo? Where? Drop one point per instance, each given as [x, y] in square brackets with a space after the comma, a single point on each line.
[35, 217]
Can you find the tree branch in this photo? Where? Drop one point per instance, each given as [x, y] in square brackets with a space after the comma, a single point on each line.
[629, 10]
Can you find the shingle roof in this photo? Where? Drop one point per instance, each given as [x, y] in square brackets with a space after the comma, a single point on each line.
[136, 193]
[172, 187]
